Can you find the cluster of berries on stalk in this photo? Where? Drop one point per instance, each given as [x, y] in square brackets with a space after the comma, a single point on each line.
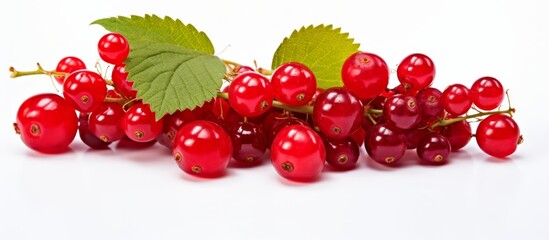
[304, 127]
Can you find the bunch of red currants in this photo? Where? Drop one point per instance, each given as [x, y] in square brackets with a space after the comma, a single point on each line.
[304, 127]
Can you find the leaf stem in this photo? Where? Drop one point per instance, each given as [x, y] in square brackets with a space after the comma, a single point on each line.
[445, 122]
[40, 70]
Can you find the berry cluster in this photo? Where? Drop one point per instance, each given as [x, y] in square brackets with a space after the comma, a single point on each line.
[303, 126]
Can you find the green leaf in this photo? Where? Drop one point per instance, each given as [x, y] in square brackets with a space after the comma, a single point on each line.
[170, 77]
[153, 29]
[170, 63]
[322, 48]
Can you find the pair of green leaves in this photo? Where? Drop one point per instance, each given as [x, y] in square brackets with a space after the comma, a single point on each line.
[173, 67]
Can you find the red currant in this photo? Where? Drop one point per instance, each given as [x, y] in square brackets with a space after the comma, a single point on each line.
[402, 111]
[140, 124]
[429, 103]
[366, 75]
[337, 113]
[249, 142]
[202, 148]
[487, 93]
[46, 123]
[433, 149]
[456, 99]
[84, 90]
[342, 154]
[416, 71]
[298, 153]
[293, 84]
[498, 135]
[87, 136]
[384, 145]
[68, 65]
[104, 122]
[120, 80]
[113, 48]
[250, 94]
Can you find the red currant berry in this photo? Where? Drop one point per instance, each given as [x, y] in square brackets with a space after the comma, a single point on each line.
[341, 154]
[84, 90]
[366, 75]
[140, 124]
[416, 71]
[249, 142]
[458, 133]
[402, 111]
[120, 80]
[384, 145]
[487, 93]
[46, 123]
[127, 143]
[243, 69]
[113, 48]
[337, 113]
[87, 136]
[68, 65]
[250, 94]
[433, 149]
[498, 135]
[429, 104]
[456, 99]
[298, 153]
[293, 84]
[202, 148]
[104, 122]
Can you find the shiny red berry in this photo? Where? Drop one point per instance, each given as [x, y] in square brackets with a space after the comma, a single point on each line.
[384, 145]
[46, 123]
[104, 122]
[416, 71]
[433, 149]
[249, 142]
[498, 135]
[456, 99]
[250, 94]
[293, 84]
[140, 124]
[120, 80]
[402, 111]
[68, 65]
[113, 48]
[366, 75]
[298, 153]
[202, 148]
[337, 113]
[87, 136]
[487, 93]
[341, 154]
[84, 90]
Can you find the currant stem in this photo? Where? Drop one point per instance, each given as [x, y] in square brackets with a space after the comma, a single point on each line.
[301, 109]
[40, 70]
[442, 123]
[121, 101]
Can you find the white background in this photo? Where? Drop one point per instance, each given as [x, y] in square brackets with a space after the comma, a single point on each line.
[123, 194]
